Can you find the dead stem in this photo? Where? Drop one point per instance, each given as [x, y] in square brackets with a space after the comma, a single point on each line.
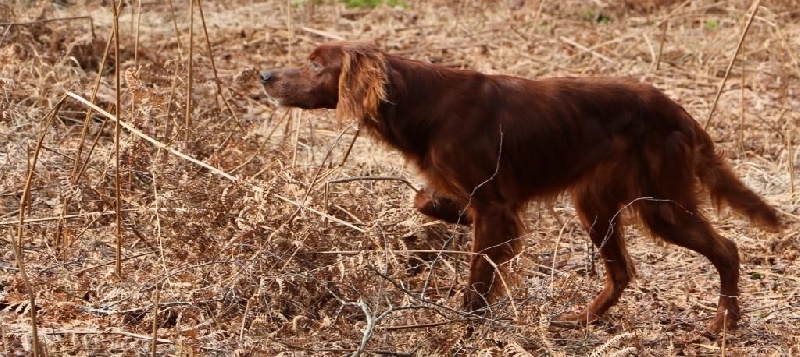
[19, 243]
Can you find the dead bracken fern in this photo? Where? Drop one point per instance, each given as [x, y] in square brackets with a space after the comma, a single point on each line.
[277, 261]
[514, 349]
[603, 350]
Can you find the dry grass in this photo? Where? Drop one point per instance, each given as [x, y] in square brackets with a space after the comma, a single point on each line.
[269, 264]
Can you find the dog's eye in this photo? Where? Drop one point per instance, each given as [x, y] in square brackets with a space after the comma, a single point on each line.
[315, 66]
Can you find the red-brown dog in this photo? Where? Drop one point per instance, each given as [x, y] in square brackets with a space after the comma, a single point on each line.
[488, 144]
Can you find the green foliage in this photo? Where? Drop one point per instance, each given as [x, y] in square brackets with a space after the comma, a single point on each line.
[298, 3]
[602, 18]
[373, 3]
[712, 24]
[592, 14]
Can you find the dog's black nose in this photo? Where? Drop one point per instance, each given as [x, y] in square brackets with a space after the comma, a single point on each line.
[267, 76]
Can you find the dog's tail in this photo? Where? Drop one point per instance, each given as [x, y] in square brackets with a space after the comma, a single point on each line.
[725, 187]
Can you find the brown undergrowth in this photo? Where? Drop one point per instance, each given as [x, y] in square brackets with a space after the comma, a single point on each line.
[314, 248]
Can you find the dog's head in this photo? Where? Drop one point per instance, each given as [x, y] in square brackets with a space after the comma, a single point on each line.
[348, 76]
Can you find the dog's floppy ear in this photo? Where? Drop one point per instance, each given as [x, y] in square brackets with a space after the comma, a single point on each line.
[362, 82]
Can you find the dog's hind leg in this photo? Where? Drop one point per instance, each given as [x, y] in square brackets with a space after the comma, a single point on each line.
[602, 221]
[682, 224]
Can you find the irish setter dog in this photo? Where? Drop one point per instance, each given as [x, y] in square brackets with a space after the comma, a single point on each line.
[489, 144]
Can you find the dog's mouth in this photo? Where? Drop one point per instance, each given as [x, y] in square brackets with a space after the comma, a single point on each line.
[273, 100]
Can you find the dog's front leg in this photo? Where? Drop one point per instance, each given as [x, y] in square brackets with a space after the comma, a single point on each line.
[497, 233]
[440, 207]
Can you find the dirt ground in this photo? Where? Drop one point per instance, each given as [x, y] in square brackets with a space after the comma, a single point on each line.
[252, 230]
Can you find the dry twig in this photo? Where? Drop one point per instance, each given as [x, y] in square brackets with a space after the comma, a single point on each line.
[150, 139]
[753, 11]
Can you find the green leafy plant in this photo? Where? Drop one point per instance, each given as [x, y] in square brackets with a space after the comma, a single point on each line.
[373, 3]
[712, 24]
[592, 14]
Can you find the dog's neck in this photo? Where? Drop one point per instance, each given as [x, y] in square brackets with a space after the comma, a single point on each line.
[403, 121]
[415, 94]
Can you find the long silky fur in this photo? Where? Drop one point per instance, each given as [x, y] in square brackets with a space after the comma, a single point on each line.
[362, 83]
